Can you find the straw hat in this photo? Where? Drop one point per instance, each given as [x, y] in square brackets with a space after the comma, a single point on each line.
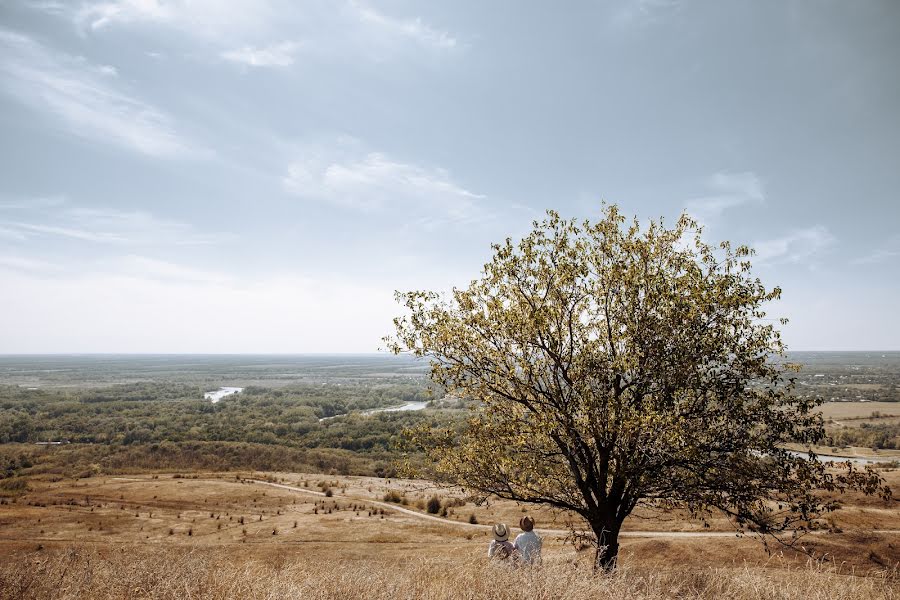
[526, 523]
[501, 532]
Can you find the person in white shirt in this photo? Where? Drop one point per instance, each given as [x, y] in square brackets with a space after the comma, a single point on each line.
[528, 543]
[500, 548]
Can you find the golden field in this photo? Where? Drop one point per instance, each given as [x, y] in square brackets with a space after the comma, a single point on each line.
[206, 535]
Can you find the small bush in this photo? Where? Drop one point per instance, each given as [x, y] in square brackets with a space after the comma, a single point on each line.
[434, 505]
[392, 496]
[473, 519]
[16, 485]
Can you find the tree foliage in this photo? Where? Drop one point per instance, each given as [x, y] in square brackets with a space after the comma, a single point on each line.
[615, 365]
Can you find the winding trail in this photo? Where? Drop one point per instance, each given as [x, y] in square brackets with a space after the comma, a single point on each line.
[561, 532]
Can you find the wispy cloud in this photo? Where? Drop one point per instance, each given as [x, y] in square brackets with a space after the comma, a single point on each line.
[795, 247]
[32, 203]
[29, 265]
[274, 55]
[247, 31]
[373, 181]
[725, 191]
[97, 15]
[12, 234]
[108, 226]
[161, 270]
[410, 28]
[204, 18]
[889, 251]
[85, 100]
[643, 12]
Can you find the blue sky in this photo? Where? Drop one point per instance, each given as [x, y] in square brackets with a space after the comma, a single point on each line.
[260, 176]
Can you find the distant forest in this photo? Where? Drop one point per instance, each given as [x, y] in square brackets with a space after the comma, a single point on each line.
[170, 426]
[161, 421]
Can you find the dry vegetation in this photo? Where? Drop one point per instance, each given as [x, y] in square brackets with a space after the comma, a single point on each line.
[207, 535]
[858, 410]
[141, 572]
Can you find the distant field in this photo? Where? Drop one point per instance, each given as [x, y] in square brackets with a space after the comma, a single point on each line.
[92, 370]
[859, 410]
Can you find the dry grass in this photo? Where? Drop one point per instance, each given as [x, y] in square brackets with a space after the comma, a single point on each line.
[138, 572]
[110, 538]
[857, 410]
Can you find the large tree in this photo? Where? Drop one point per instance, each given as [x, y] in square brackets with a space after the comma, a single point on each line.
[614, 365]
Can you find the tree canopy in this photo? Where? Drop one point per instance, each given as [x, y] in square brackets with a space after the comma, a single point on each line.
[616, 365]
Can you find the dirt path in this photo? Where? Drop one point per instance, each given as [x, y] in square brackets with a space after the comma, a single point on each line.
[560, 532]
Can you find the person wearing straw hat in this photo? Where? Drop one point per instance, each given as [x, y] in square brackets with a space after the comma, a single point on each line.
[528, 543]
[500, 548]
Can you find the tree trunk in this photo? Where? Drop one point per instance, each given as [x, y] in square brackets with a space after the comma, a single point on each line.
[607, 549]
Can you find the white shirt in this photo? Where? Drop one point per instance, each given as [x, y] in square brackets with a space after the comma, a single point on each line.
[529, 546]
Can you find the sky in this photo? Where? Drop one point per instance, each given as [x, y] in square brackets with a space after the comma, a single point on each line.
[259, 176]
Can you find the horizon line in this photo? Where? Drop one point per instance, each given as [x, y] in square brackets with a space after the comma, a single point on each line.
[370, 353]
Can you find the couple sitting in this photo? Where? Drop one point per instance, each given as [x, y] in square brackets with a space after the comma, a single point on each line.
[525, 550]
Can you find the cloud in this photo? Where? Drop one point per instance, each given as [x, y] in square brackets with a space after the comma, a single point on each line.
[202, 18]
[878, 256]
[246, 31]
[795, 247]
[411, 28]
[108, 226]
[373, 181]
[726, 190]
[633, 13]
[33, 203]
[97, 15]
[19, 263]
[82, 97]
[160, 270]
[888, 251]
[274, 55]
[12, 234]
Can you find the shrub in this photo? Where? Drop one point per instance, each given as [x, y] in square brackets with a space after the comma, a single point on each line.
[392, 496]
[16, 485]
[473, 519]
[434, 505]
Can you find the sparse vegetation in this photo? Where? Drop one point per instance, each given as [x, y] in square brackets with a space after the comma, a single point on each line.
[181, 530]
[136, 572]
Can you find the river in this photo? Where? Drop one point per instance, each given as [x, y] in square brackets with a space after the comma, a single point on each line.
[402, 407]
[221, 393]
[828, 458]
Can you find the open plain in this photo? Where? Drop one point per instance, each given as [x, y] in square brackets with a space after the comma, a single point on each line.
[267, 535]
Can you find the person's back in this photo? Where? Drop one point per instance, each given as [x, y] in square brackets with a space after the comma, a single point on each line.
[500, 550]
[500, 547]
[528, 543]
